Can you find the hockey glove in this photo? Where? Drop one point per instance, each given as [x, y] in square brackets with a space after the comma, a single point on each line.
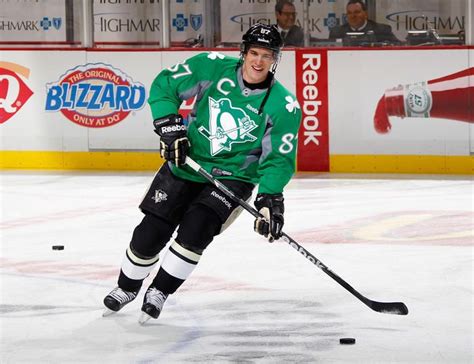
[272, 208]
[174, 143]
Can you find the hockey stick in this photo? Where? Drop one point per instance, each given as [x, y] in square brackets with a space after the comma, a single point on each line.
[396, 308]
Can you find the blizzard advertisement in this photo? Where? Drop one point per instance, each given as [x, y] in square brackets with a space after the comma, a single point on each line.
[312, 94]
[32, 20]
[95, 95]
[14, 92]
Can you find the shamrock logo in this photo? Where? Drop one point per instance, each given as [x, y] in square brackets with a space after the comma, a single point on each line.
[291, 104]
[215, 55]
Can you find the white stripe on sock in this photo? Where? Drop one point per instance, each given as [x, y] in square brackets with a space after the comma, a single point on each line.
[134, 271]
[141, 261]
[185, 252]
[176, 266]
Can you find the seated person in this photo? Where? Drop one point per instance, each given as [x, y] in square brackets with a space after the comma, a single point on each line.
[291, 33]
[357, 21]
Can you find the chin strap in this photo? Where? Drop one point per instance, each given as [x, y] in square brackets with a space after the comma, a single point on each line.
[260, 109]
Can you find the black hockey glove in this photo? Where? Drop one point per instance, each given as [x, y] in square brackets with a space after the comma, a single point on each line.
[272, 208]
[174, 143]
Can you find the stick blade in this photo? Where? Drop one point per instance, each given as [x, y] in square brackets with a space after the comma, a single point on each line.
[394, 308]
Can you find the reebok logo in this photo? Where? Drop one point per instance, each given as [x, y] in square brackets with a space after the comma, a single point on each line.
[222, 199]
[251, 108]
[303, 252]
[170, 129]
[312, 92]
[311, 103]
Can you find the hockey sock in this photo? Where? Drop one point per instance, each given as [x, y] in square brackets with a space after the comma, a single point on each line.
[135, 268]
[149, 237]
[177, 265]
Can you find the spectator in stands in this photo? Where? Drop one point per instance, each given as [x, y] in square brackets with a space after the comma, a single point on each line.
[291, 33]
[357, 21]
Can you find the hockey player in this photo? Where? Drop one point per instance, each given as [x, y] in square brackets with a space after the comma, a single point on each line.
[242, 130]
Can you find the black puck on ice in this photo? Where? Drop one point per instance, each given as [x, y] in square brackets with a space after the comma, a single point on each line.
[347, 341]
[58, 247]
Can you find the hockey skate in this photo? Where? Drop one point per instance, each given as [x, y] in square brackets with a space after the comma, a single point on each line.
[116, 299]
[152, 304]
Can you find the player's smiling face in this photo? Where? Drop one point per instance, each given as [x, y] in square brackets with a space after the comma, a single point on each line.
[257, 63]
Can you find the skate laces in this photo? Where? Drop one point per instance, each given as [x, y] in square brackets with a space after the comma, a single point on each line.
[155, 297]
[122, 296]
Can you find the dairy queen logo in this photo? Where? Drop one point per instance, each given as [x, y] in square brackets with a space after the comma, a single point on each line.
[14, 92]
[95, 95]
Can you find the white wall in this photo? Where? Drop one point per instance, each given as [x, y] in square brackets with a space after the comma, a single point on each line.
[357, 79]
[32, 128]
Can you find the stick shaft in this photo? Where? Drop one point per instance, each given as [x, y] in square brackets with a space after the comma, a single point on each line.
[397, 308]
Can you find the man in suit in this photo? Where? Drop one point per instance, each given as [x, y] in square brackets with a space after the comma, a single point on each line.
[357, 21]
[291, 33]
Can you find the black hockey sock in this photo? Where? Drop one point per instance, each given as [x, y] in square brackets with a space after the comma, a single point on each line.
[177, 265]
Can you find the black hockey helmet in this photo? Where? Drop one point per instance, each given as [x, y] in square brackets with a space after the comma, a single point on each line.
[263, 36]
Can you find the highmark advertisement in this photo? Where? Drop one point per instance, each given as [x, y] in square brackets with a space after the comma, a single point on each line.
[32, 21]
[238, 16]
[446, 17]
[141, 21]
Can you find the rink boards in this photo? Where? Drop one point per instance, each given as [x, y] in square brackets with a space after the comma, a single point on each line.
[82, 109]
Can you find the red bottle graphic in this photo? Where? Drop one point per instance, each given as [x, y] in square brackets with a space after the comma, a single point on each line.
[450, 97]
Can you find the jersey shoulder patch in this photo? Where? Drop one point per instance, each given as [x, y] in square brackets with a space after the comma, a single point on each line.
[281, 96]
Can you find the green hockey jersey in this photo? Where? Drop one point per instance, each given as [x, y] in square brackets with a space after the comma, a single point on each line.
[228, 136]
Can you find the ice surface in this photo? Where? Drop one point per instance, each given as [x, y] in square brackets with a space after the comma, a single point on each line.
[405, 238]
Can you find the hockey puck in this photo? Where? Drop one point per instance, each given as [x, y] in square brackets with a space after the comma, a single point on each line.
[58, 247]
[347, 341]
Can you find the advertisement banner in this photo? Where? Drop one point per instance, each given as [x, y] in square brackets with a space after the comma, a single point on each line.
[187, 21]
[14, 91]
[117, 21]
[312, 94]
[127, 22]
[95, 95]
[471, 126]
[238, 16]
[33, 21]
[390, 110]
[446, 17]
[392, 106]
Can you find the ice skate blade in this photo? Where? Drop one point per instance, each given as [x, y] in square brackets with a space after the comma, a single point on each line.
[108, 312]
[144, 317]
